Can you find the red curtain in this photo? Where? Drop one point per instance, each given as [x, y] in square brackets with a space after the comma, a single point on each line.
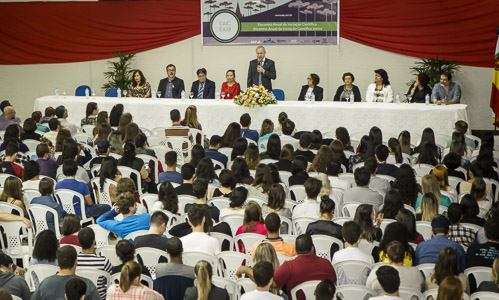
[59, 32]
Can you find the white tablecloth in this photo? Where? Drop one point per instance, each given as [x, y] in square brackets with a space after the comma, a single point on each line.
[326, 116]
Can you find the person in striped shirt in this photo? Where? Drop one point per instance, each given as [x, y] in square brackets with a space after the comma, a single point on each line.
[88, 259]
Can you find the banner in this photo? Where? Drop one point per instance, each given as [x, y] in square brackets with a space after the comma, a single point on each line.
[299, 22]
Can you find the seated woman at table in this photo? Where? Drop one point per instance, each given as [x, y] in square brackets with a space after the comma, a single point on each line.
[345, 92]
[311, 86]
[90, 114]
[419, 89]
[139, 88]
[380, 90]
[230, 88]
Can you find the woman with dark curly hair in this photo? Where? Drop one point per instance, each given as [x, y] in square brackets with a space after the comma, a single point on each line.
[241, 172]
[406, 183]
[139, 88]
[167, 199]
[380, 90]
[45, 249]
[419, 89]
[392, 204]
[206, 170]
[311, 87]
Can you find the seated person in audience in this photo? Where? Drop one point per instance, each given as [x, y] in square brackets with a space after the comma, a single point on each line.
[478, 190]
[13, 194]
[231, 88]
[276, 202]
[266, 130]
[142, 145]
[4, 104]
[288, 130]
[130, 285]
[125, 250]
[212, 151]
[203, 88]
[246, 132]
[325, 225]
[273, 149]
[384, 168]
[345, 91]
[273, 226]
[333, 169]
[103, 150]
[29, 127]
[325, 290]
[227, 182]
[389, 280]
[71, 152]
[462, 126]
[458, 233]
[428, 209]
[71, 226]
[396, 232]
[240, 171]
[157, 228]
[263, 180]
[376, 183]
[9, 114]
[200, 190]
[188, 171]
[54, 126]
[45, 249]
[167, 199]
[31, 175]
[69, 169]
[237, 198]
[304, 146]
[49, 114]
[362, 193]
[410, 277]
[139, 88]
[408, 220]
[491, 286]
[6, 217]
[453, 161]
[307, 266]
[311, 88]
[446, 91]
[48, 167]
[427, 252]
[392, 204]
[252, 221]
[62, 114]
[482, 255]
[171, 86]
[171, 173]
[75, 289]
[471, 210]
[177, 129]
[252, 156]
[88, 259]
[447, 264]
[90, 114]
[10, 281]
[429, 184]
[298, 171]
[263, 273]
[476, 170]
[8, 166]
[175, 267]
[46, 189]
[380, 90]
[126, 205]
[204, 288]
[285, 158]
[370, 227]
[53, 287]
[419, 89]
[310, 207]
[198, 240]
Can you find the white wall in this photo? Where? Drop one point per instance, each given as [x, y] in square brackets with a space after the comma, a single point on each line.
[21, 84]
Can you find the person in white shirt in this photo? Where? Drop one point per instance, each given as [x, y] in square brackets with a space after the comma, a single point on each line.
[263, 273]
[362, 193]
[288, 128]
[376, 183]
[310, 207]
[333, 169]
[198, 240]
[351, 234]
[389, 280]
[62, 114]
[380, 90]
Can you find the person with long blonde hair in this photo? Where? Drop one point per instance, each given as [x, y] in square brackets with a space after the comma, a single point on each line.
[429, 208]
[130, 287]
[429, 184]
[442, 175]
[191, 118]
[204, 289]
[13, 193]
[252, 156]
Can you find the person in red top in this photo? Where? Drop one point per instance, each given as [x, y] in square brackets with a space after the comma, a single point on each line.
[230, 88]
[8, 166]
[307, 266]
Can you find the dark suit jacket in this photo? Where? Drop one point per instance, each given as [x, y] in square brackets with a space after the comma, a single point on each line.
[178, 87]
[356, 93]
[209, 89]
[270, 73]
[318, 92]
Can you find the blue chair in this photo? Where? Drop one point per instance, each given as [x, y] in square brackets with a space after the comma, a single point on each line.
[80, 91]
[112, 92]
[279, 94]
[172, 286]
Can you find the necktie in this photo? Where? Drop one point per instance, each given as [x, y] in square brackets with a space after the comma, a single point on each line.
[260, 74]
[201, 90]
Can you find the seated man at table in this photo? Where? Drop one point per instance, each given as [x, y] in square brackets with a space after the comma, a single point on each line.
[171, 86]
[203, 88]
[446, 91]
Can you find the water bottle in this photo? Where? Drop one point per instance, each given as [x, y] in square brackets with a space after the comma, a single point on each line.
[398, 98]
[57, 92]
[87, 93]
[182, 95]
[153, 94]
[427, 99]
[217, 95]
[312, 98]
[352, 98]
[118, 91]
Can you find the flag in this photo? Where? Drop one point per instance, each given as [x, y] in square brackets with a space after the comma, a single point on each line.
[494, 95]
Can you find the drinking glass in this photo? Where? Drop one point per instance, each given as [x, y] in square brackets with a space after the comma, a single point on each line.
[228, 95]
[191, 95]
[125, 93]
[159, 94]
[222, 94]
[348, 98]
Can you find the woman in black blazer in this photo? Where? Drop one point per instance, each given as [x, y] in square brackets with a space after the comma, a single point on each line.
[347, 89]
[313, 81]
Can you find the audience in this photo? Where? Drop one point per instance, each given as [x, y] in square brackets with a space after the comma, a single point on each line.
[212, 151]
[45, 249]
[46, 189]
[396, 232]
[167, 199]
[188, 171]
[246, 132]
[237, 199]
[227, 182]
[48, 167]
[125, 250]
[298, 171]
[304, 146]
[75, 289]
[458, 233]
[324, 225]
[71, 226]
[364, 216]
[200, 191]
[325, 290]
[384, 168]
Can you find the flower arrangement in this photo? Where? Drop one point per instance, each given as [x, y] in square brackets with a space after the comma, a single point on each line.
[255, 96]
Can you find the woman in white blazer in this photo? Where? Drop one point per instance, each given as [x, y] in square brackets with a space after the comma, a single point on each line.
[380, 90]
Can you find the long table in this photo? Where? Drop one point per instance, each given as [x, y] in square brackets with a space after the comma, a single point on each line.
[326, 116]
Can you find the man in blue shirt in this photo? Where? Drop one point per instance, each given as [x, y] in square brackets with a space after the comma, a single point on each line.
[46, 189]
[212, 152]
[446, 91]
[171, 173]
[246, 132]
[427, 252]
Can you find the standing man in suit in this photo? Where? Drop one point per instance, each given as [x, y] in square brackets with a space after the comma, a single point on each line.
[171, 86]
[261, 70]
[203, 88]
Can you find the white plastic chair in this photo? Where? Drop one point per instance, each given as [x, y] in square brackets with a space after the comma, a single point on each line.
[285, 176]
[353, 291]
[235, 221]
[480, 274]
[352, 272]
[93, 275]
[349, 209]
[132, 236]
[42, 271]
[14, 247]
[160, 151]
[11, 209]
[430, 293]
[297, 193]
[191, 258]
[183, 200]
[262, 145]
[323, 243]
[247, 240]
[245, 283]
[300, 224]
[307, 287]
[126, 172]
[230, 261]
[454, 181]
[422, 169]
[484, 296]
[148, 200]
[154, 140]
[410, 294]
[347, 177]
[38, 215]
[222, 237]
[342, 220]
[288, 238]
[88, 129]
[66, 200]
[288, 223]
[226, 151]
[194, 133]
[147, 159]
[385, 223]
[220, 202]
[29, 195]
[101, 235]
[217, 164]
[110, 253]
[368, 247]
[150, 258]
[181, 145]
[424, 228]
[283, 258]
[115, 279]
[426, 269]
[226, 284]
